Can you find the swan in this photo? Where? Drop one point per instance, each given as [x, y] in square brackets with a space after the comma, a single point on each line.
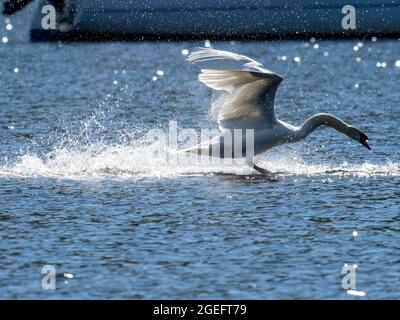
[245, 100]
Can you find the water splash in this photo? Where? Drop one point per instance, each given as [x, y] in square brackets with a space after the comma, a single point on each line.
[287, 166]
[135, 160]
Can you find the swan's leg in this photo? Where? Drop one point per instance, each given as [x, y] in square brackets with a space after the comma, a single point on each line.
[262, 170]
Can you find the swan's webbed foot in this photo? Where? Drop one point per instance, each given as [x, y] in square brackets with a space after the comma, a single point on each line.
[265, 172]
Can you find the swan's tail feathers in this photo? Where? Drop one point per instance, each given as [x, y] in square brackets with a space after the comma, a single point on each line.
[193, 150]
[198, 150]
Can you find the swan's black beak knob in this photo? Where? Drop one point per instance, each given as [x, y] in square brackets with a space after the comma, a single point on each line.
[364, 141]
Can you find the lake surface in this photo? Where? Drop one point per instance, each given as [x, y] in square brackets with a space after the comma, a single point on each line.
[82, 188]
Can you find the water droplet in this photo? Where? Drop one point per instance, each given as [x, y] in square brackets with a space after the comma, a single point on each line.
[326, 53]
[68, 275]
[207, 43]
[9, 26]
[297, 59]
[4, 39]
[355, 48]
[7, 20]
[284, 58]
[384, 64]
[356, 86]
[154, 78]
[360, 44]
[185, 52]
[378, 64]
[160, 72]
[316, 46]
[397, 64]
[358, 59]
[312, 39]
[115, 82]
[374, 39]
[355, 233]
[16, 70]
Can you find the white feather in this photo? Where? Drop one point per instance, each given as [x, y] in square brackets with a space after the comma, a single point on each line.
[249, 87]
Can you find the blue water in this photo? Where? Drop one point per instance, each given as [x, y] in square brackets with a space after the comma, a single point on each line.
[81, 188]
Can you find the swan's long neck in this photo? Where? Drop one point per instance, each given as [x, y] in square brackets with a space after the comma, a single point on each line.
[320, 119]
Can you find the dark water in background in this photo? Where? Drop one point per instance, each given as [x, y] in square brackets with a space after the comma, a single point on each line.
[81, 189]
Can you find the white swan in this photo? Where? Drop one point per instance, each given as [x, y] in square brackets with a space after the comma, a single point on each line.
[246, 92]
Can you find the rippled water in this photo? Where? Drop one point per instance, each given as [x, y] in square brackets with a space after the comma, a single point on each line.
[82, 189]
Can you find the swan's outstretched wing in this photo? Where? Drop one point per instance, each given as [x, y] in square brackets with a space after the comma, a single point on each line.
[248, 88]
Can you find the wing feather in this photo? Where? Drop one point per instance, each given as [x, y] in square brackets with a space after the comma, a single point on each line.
[248, 89]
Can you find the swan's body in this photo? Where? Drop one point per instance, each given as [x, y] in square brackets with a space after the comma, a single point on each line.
[246, 101]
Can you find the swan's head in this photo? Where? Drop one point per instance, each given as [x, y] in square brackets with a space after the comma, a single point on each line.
[358, 135]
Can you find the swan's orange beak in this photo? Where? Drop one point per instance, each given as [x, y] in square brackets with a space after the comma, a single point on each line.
[364, 141]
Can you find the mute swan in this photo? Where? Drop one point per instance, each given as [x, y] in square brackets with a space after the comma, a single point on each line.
[246, 101]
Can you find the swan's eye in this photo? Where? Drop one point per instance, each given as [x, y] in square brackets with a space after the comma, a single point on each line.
[363, 137]
[364, 140]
